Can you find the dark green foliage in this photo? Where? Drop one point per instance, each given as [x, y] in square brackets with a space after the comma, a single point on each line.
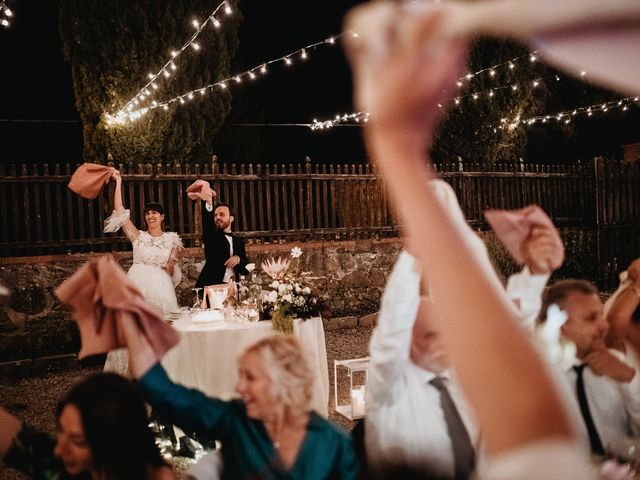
[112, 46]
[470, 130]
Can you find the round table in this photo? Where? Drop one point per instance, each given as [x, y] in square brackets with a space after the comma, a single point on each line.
[206, 356]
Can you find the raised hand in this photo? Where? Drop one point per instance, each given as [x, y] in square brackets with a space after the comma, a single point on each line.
[603, 363]
[540, 249]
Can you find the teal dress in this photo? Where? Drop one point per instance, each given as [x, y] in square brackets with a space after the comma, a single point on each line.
[247, 450]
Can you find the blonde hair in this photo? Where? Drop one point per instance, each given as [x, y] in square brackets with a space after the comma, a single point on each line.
[284, 362]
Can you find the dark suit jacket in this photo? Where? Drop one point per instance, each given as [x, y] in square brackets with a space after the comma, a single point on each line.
[216, 252]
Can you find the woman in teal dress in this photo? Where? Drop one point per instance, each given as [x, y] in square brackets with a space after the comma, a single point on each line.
[269, 432]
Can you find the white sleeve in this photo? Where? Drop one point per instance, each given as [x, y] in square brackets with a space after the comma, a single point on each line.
[114, 221]
[526, 289]
[391, 339]
[176, 241]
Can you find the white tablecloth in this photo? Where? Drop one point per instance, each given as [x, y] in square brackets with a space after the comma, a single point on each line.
[206, 357]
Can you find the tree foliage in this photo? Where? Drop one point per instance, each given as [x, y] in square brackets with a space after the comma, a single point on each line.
[113, 45]
[474, 124]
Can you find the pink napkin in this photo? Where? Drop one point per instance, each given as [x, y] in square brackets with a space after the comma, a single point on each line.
[99, 295]
[597, 37]
[199, 189]
[89, 178]
[513, 228]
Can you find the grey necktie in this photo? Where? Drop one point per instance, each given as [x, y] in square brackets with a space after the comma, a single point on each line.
[463, 453]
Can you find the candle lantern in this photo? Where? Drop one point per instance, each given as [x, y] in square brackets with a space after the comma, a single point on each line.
[355, 372]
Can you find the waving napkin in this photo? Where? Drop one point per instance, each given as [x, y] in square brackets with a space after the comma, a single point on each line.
[100, 296]
[89, 178]
[200, 189]
[600, 38]
[513, 228]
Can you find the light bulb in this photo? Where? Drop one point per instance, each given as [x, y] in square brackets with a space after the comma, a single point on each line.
[195, 46]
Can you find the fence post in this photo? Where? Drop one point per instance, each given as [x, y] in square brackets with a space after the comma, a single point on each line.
[307, 167]
[603, 270]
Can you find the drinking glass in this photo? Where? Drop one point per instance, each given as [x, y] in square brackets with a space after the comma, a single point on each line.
[197, 304]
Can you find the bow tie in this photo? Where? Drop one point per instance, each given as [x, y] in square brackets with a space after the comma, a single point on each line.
[229, 235]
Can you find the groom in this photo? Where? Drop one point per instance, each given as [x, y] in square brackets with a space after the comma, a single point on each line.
[224, 253]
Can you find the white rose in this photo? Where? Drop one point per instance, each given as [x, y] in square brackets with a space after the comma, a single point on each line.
[287, 298]
[250, 267]
[275, 284]
[289, 287]
[306, 290]
[272, 297]
[282, 288]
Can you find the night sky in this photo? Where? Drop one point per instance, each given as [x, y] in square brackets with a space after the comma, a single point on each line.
[36, 85]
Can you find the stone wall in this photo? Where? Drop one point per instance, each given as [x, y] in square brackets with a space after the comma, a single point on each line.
[349, 275]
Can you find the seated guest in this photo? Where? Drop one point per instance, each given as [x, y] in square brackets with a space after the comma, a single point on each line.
[417, 418]
[103, 434]
[269, 432]
[606, 387]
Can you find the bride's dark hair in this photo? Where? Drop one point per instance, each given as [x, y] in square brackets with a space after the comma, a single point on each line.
[155, 206]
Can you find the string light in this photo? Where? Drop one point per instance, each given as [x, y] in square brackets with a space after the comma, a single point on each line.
[170, 64]
[5, 14]
[565, 117]
[130, 114]
[511, 64]
[358, 117]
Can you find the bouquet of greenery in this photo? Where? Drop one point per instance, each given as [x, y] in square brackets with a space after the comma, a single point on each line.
[287, 295]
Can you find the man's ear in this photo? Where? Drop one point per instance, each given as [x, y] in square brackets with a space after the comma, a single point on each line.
[231, 218]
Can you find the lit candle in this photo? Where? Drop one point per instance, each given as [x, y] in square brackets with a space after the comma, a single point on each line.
[357, 402]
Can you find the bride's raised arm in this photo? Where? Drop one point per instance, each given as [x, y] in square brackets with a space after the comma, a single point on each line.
[120, 216]
[403, 86]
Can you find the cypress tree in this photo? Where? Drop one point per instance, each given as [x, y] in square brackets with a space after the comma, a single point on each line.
[113, 45]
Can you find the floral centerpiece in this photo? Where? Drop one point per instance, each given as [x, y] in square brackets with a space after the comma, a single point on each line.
[287, 295]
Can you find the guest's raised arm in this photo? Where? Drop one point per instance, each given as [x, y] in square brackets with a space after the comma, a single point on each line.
[402, 84]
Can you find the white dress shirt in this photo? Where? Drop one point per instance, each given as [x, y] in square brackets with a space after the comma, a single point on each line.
[614, 407]
[229, 273]
[405, 424]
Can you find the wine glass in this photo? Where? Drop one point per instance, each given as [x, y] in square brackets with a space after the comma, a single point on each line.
[197, 304]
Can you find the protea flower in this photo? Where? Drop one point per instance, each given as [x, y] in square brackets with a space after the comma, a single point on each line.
[276, 269]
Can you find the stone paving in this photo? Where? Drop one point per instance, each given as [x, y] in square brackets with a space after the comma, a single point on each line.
[33, 399]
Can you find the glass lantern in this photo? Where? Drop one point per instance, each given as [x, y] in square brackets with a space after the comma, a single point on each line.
[356, 371]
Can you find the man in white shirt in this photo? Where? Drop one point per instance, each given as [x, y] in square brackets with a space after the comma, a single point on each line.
[606, 387]
[406, 424]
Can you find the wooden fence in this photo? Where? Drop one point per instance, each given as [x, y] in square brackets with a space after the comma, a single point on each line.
[40, 215]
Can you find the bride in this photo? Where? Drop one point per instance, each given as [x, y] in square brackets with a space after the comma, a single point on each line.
[156, 253]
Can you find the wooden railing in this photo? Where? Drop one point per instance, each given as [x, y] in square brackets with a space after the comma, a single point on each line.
[272, 203]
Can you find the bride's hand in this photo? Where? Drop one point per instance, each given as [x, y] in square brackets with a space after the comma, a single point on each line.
[116, 176]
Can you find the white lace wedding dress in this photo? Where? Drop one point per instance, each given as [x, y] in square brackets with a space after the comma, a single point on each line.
[150, 256]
